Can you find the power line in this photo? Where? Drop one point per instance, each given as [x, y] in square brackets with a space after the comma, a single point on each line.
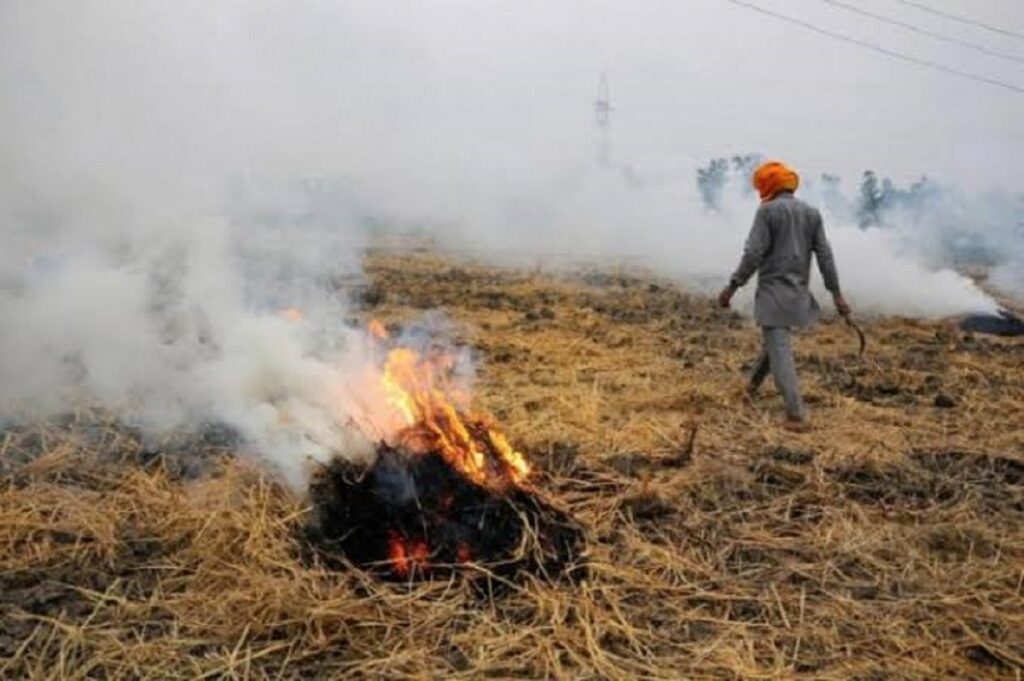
[962, 19]
[923, 31]
[935, 66]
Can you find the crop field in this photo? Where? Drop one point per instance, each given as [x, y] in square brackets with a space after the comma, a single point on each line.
[886, 543]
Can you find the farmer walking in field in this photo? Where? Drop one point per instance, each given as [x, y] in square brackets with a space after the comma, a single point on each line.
[785, 233]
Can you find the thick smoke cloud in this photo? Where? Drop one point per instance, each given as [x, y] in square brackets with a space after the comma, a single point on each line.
[174, 177]
[663, 223]
[916, 238]
[158, 225]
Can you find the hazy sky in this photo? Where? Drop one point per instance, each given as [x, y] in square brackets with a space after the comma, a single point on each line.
[701, 77]
[690, 79]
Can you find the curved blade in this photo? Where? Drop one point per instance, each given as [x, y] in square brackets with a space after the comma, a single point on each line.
[860, 334]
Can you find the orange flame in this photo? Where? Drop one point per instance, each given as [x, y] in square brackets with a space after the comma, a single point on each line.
[293, 314]
[378, 330]
[427, 413]
[420, 391]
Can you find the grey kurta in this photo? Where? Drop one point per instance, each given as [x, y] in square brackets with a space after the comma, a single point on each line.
[786, 232]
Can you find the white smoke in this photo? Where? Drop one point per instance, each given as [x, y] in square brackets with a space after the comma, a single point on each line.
[619, 215]
[173, 176]
[183, 324]
[157, 223]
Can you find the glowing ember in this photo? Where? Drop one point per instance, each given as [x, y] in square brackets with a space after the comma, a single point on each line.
[406, 556]
[398, 554]
[413, 516]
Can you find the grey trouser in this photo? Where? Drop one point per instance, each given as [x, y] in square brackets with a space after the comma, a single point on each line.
[777, 357]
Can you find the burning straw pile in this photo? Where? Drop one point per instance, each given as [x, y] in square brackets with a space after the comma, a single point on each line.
[446, 492]
[886, 544]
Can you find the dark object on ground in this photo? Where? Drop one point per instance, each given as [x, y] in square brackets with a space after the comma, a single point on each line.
[944, 401]
[800, 458]
[1003, 324]
[413, 516]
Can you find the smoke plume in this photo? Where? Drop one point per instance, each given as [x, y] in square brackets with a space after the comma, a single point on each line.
[183, 187]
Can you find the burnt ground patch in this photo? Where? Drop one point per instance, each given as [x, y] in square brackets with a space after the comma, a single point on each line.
[978, 469]
[411, 516]
[990, 485]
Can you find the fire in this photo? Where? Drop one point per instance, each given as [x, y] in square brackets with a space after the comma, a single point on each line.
[405, 555]
[421, 392]
[378, 330]
[444, 488]
[444, 491]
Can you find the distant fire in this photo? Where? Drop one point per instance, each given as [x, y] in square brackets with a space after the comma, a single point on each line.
[293, 314]
[377, 330]
[447, 488]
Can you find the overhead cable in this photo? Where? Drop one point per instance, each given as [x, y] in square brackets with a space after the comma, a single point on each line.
[923, 31]
[880, 49]
[962, 19]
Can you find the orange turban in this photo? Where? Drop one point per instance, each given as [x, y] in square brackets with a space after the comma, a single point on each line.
[774, 177]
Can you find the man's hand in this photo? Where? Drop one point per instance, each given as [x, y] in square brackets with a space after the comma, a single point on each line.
[842, 307]
[725, 297]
